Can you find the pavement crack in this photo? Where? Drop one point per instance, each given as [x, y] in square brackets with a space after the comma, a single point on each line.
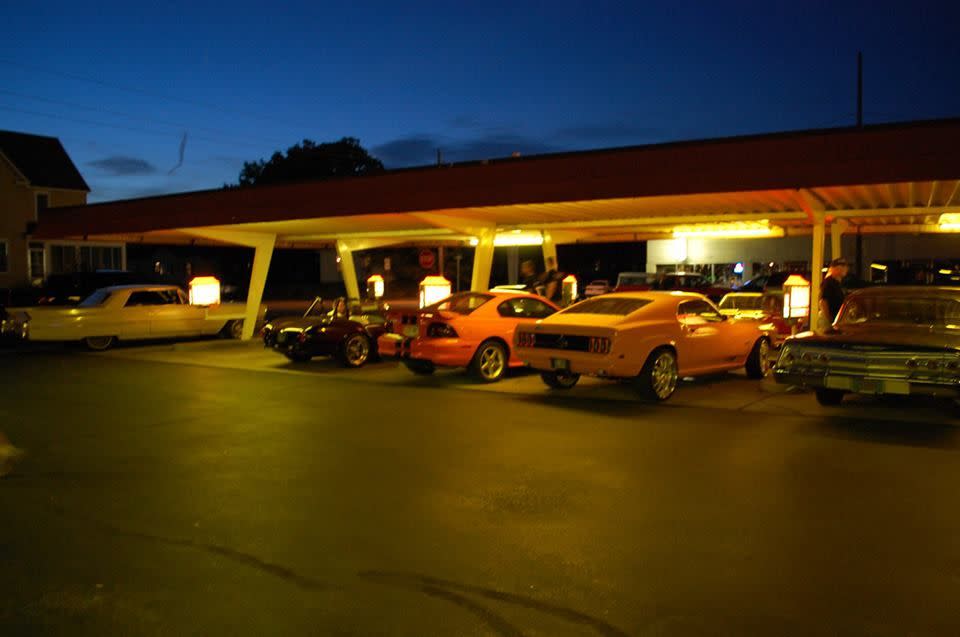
[433, 586]
[247, 559]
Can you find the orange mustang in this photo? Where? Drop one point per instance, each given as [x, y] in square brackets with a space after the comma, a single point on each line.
[654, 338]
[468, 329]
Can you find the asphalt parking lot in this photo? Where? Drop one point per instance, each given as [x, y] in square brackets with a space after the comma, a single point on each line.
[212, 488]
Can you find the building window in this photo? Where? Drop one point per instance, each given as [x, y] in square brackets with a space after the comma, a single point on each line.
[65, 259]
[37, 267]
[3, 255]
[43, 202]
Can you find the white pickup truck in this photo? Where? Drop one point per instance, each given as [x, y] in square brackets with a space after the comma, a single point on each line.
[131, 312]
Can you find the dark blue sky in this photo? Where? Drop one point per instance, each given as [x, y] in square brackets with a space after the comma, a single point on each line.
[120, 83]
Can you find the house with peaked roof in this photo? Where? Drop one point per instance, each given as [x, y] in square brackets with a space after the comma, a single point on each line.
[36, 173]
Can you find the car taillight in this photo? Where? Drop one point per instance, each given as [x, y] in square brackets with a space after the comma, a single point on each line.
[526, 339]
[441, 330]
[599, 345]
[302, 337]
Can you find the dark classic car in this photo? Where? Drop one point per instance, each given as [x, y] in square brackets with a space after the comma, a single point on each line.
[351, 337]
[886, 340]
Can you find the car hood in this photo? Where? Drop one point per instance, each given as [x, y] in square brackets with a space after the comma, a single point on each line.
[885, 338]
[296, 322]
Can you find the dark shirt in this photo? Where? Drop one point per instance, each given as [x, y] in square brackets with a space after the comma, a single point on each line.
[832, 293]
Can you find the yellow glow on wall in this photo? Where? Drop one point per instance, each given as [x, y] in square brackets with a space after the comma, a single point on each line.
[204, 290]
[728, 230]
[796, 297]
[433, 289]
[375, 286]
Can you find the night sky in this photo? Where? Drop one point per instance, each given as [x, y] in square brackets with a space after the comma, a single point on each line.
[120, 83]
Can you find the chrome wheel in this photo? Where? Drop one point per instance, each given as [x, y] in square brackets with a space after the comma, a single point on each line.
[356, 350]
[663, 375]
[765, 363]
[490, 361]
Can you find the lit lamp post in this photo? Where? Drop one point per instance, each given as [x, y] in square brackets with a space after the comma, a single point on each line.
[433, 289]
[204, 290]
[796, 301]
[375, 287]
[568, 292]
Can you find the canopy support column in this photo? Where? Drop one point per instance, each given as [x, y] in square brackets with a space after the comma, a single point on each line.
[549, 251]
[262, 254]
[349, 271]
[482, 261]
[262, 244]
[816, 265]
[837, 229]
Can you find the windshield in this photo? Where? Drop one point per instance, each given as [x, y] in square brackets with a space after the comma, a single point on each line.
[96, 299]
[634, 279]
[746, 302]
[917, 309]
[608, 305]
[461, 303]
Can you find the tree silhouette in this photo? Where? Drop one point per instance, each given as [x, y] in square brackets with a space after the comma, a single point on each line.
[309, 160]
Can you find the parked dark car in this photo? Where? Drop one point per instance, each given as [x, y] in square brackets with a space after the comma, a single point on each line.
[350, 338]
[70, 289]
[886, 340]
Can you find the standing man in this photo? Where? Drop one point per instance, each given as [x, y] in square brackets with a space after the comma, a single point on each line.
[551, 280]
[831, 292]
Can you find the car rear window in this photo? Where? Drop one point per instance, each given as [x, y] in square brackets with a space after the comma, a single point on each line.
[461, 303]
[607, 305]
[96, 299]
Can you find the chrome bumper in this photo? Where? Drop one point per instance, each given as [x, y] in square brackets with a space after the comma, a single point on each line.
[867, 384]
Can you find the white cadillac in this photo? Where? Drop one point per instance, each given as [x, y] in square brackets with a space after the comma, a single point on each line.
[129, 312]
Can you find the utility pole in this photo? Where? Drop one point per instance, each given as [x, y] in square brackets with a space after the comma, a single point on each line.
[859, 89]
[439, 157]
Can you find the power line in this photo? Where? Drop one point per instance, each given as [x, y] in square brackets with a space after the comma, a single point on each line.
[135, 90]
[107, 111]
[120, 126]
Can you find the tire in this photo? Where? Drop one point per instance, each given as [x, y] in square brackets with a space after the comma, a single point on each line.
[233, 329]
[758, 362]
[559, 380]
[298, 357]
[99, 343]
[489, 363]
[354, 351]
[659, 377]
[829, 397]
[419, 367]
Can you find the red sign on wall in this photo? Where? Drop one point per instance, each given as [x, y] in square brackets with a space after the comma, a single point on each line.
[427, 259]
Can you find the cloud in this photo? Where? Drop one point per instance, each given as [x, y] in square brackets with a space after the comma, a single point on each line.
[408, 151]
[421, 149]
[123, 166]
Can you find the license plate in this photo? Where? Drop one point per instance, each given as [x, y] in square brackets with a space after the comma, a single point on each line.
[838, 382]
[411, 331]
[560, 363]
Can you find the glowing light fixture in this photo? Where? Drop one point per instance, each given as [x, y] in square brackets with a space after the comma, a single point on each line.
[946, 272]
[950, 222]
[375, 286]
[738, 268]
[679, 250]
[729, 230]
[432, 289]
[879, 266]
[204, 290]
[796, 297]
[514, 238]
[568, 290]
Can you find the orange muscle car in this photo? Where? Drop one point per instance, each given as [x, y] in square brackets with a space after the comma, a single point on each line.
[654, 338]
[468, 329]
